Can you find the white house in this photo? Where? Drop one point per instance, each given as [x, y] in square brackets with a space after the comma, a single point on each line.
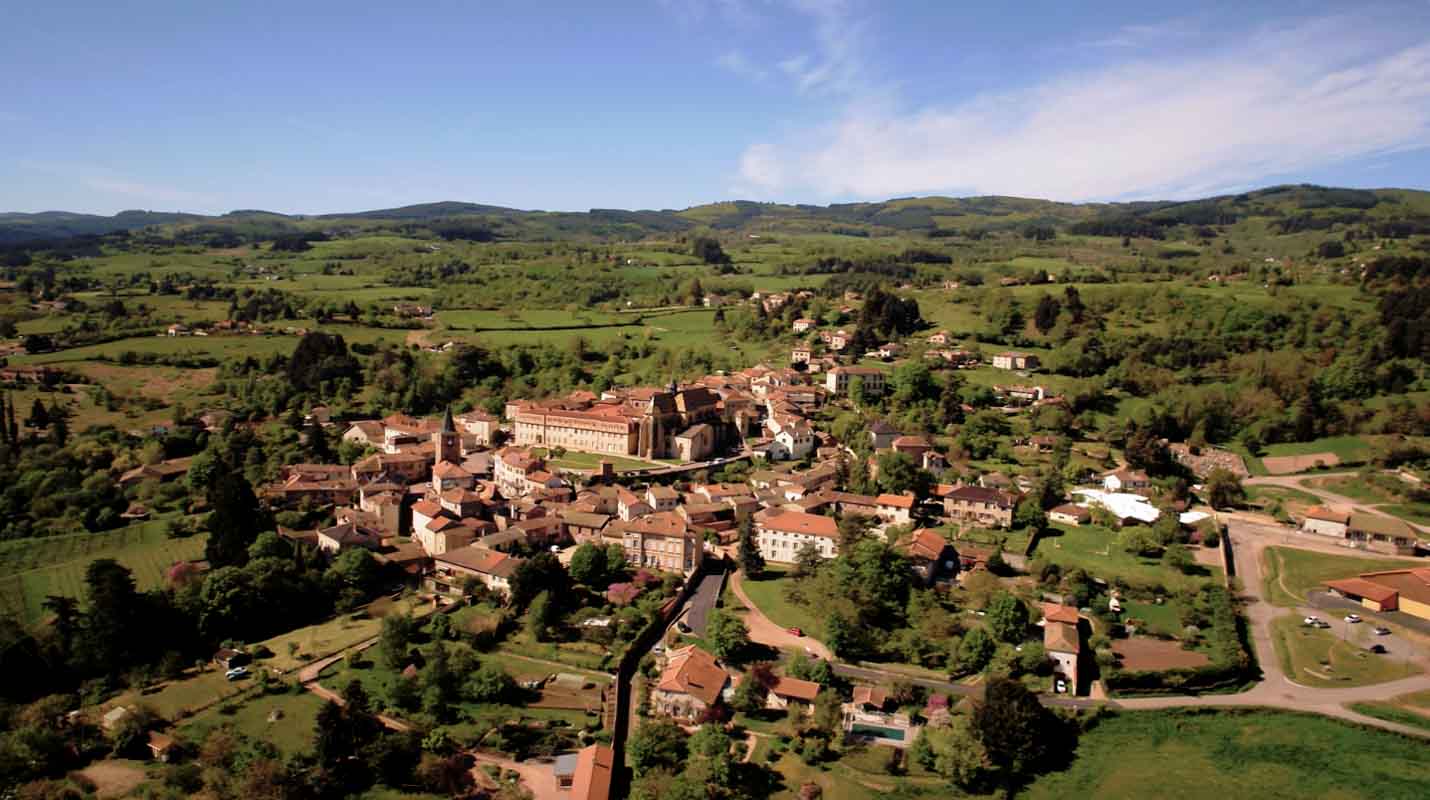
[781, 535]
[1326, 522]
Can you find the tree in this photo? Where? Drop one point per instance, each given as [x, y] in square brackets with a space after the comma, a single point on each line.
[955, 752]
[541, 616]
[321, 358]
[59, 431]
[111, 616]
[728, 635]
[1177, 557]
[588, 565]
[540, 573]
[708, 250]
[1018, 733]
[355, 571]
[1008, 618]
[393, 640]
[656, 744]
[1224, 489]
[1046, 315]
[751, 561]
[318, 446]
[1139, 541]
[1029, 514]
[899, 474]
[234, 522]
[975, 650]
[852, 529]
[39, 415]
[489, 684]
[807, 560]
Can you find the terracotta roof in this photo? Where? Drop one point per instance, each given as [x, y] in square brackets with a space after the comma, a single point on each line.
[695, 672]
[1328, 515]
[1360, 587]
[1061, 637]
[798, 522]
[926, 543]
[795, 689]
[446, 469]
[427, 508]
[896, 500]
[1071, 510]
[595, 769]
[480, 559]
[1055, 612]
[978, 494]
[912, 441]
[663, 523]
[870, 695]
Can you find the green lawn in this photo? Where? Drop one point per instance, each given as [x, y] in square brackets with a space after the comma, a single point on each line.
[1161, 619]
[579, 460]
[1320, 658]
[768, 594]
[1291, 573]
[291, 732]
[1350, 449]
[1270, 755]
[31, 569]
[1095, 550]
[1407, 709]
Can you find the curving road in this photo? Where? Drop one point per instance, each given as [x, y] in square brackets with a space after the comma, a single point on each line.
[1302, 483]
[1248, 540]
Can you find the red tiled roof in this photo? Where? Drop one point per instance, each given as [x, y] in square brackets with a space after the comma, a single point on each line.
[1055, 612]
[896, 500]
[795, 689]
[695, 672]
[799, 522]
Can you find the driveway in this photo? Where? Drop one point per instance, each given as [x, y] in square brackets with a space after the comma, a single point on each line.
[539, 779]
[706, 595]
[766, 632]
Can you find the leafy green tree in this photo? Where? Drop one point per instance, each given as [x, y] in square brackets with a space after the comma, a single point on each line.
[489, 684]
[728, 635]
[807, 560]
[656, 744]
[1018, 733]
[588, 565]
[394, 637]
[1224, 489]
[1008, 618]
[1029, 514]
[1177, 557]
[234, 522]
[540, 573]
[975, 650]
[541, 616]
[899, 474]
[751, 561]
[955, 752]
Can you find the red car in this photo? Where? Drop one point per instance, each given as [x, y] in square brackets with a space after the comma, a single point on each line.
[796, 631]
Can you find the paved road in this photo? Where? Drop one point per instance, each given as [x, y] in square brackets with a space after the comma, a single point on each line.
[764, 631]
[703, 600]
[1303, 483]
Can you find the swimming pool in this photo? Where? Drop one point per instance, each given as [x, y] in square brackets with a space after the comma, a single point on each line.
[893, 734]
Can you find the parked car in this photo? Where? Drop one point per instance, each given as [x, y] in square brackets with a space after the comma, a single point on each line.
[1380, 631]
[796, 631]
[682, 627]
[1352, 618]
[658, 649]
[1378, 649]
[1061, 687]
[236, 673]
[1312, 621]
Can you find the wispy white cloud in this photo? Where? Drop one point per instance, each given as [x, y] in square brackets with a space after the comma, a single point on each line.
[113, 188]
[835, 62]
[737, 63]
[1278, 102]
[1146, 35]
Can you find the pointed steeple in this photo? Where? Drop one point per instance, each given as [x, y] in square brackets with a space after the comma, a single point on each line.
[448, 426]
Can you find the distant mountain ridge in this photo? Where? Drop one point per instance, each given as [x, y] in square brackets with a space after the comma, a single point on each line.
[1292, 207]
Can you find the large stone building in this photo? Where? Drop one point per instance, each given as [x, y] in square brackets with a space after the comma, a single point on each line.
[781, 535]
[642, 422]
[663, 540]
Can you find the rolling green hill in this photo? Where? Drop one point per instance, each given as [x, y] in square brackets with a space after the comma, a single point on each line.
[1276, 210]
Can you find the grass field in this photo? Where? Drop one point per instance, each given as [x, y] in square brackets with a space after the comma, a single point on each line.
[1407, 709]
[590, 461]
[292, 731]
[1095, 550]
[1383, 490]
[768, 594]
[1291, 573]
[1350, 449]
[1319, 658]
[31, 569]
[1272, 755]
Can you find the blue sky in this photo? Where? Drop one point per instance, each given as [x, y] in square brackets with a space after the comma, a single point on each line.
[318, 107]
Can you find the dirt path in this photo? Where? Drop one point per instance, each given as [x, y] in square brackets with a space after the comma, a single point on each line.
[1302, 482]
[308, 676]
[765, 631]
[539, 779]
